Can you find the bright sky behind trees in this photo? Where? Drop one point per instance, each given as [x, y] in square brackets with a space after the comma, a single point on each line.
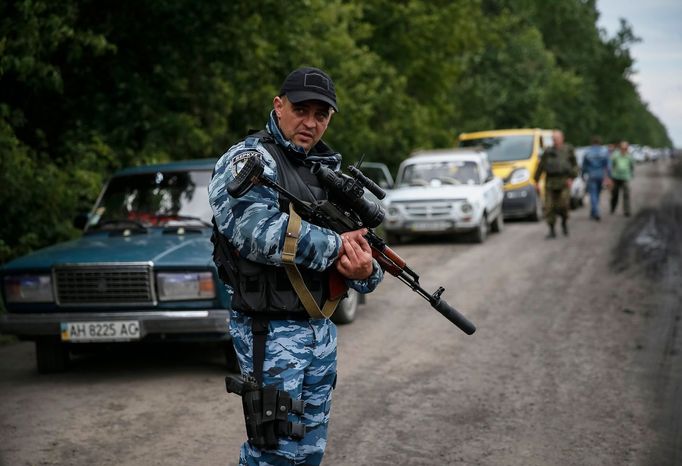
[658, 57]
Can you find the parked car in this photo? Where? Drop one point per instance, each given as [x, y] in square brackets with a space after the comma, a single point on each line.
[444, 191]
[637, 153]
[142, 271]
[514, 154]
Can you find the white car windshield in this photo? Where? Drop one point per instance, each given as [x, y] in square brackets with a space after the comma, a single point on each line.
[441, 172]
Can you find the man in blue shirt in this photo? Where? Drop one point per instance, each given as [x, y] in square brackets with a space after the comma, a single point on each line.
[595, 168]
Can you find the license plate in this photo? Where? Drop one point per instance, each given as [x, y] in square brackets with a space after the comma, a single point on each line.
[431, 226]
[120, 330]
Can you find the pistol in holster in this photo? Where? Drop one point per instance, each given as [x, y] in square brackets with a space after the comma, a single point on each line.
[266, 412]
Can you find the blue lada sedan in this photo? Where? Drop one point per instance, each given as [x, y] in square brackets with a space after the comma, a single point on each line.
[142, 270]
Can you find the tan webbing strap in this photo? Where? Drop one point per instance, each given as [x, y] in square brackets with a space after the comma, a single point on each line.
[288, 256]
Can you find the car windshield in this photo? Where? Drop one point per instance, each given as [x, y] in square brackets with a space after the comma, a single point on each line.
[503, 148]
[445, 172]
[151, 199]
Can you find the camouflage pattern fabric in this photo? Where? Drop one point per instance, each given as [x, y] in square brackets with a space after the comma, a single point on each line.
[300, 357]
[557, 202]
[558, 164]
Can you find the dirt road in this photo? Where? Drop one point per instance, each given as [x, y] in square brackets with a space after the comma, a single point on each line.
[576, 361]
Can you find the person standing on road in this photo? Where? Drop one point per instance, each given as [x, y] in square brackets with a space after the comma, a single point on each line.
[595, 167]
[622, 169]
[559, 165]
[280, 342]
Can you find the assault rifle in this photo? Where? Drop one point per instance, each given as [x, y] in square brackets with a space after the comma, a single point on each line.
[349, 210]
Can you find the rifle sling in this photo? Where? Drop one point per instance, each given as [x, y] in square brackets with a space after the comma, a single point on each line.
[288, 258]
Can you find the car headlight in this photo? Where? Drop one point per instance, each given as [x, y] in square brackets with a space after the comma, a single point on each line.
[466, 207]
[178, 286]
[393, 211]
[29, 289]
[519, 175]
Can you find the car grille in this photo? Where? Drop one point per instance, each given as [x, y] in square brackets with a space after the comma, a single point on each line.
[104, 285]
[428, 209]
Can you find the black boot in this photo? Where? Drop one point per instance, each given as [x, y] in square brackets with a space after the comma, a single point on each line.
[564, 227]
[552, 233]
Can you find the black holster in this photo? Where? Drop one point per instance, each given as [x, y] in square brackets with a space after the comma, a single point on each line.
[266, 411]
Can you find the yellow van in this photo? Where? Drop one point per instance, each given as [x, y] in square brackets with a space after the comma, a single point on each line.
[514, 154]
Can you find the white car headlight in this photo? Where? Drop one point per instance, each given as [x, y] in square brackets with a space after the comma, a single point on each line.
[179, 286]
[466, 207]
[519, 175]
[29, 289]
[393, 211]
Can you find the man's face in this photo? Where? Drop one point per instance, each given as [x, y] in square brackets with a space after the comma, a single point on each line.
[623, 147]
[558, 139]
[303, 123]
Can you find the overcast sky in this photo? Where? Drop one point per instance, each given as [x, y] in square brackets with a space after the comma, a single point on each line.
[658, 58]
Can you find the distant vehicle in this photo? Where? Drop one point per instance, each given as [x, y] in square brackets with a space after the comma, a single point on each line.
[651, 154]
[514, 154]
[637, 152]
[142, 271]
[444, 191]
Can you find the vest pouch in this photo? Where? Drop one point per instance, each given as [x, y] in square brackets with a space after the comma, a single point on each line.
[553, 165]
[557, 165]
[252, 286]
[284, 298]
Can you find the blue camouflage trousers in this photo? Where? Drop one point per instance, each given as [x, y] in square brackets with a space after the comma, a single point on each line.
[300, 358]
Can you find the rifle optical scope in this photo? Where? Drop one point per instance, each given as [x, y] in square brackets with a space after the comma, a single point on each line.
[350, 192]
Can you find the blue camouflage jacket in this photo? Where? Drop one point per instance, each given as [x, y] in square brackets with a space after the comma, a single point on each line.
[254, 223]
[595, 162]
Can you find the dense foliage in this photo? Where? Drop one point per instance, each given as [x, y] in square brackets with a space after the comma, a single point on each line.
[89, 86]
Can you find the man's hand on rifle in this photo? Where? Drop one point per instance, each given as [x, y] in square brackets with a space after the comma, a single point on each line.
[355, 256]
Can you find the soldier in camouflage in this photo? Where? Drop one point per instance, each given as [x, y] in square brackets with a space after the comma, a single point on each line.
[300, 353]
[559, 165]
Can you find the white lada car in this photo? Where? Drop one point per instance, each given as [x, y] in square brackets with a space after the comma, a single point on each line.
[444, 191]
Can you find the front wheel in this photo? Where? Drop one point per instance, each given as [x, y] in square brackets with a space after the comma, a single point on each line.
[498, 223]
[345, 311]
[481, 233]
[537, 212]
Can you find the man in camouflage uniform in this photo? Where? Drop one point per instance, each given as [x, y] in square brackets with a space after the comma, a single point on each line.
[300, 352]
[559, 165]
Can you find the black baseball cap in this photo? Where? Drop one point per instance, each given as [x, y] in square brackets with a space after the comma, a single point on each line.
[309, 83]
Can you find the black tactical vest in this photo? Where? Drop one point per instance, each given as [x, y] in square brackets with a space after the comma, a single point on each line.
[557, 162]
[260, 289]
